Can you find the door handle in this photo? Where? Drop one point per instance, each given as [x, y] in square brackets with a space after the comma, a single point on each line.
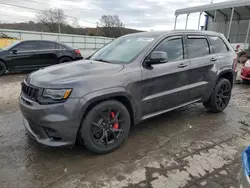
[182, 65]
[213, 59]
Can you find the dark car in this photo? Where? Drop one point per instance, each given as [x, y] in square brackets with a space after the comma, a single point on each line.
[35, 54]
[133, 78]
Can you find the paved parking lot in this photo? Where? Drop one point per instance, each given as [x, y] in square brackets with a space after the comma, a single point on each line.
[188, 147]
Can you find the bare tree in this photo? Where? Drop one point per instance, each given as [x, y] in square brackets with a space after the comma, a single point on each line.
[52, 19]
[112, 25]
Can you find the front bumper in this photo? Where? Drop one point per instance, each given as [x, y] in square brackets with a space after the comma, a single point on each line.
[245, 73]
[52, 125]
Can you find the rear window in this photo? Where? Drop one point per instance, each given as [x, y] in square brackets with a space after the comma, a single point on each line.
[197, 47]
[217, 44]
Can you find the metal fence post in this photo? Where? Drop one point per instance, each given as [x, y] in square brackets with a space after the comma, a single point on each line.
[199, 20]
[73, 42]
[95, 43]
[175, 21]
[230, 23]
[248, 28]
[214, 21]
[186, 21]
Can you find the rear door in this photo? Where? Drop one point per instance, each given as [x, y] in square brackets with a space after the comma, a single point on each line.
[221, 50]
[25, 56]
[165, 85]
[202, 63]
[48, 53]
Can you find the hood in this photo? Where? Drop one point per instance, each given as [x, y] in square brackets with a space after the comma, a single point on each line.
[72, 72]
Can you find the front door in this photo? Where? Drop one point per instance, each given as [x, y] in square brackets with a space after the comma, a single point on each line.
[23, 56]
[165, 85]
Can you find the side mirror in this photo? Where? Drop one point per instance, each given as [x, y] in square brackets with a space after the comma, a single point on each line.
[14, 51]
[158, 57]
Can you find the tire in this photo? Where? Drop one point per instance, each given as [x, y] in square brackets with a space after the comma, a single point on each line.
[220, 97]
[3, 68]
[245, 81]
[65, 59]
[98, 133]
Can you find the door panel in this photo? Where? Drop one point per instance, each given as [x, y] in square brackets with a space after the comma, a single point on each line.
[25, 58]
[202, 64]
[165, 85]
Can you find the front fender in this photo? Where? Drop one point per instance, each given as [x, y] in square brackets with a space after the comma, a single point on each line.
[104, 94]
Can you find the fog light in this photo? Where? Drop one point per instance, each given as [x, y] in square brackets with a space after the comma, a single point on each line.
[52, 134]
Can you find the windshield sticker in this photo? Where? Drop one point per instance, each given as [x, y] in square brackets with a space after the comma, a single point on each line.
[145, 39]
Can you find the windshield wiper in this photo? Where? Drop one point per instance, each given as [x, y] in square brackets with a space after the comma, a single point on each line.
[102, 60]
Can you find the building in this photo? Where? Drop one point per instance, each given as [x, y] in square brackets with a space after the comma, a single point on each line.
[232, 18]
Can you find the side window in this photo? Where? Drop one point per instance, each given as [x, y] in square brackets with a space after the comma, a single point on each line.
[197, 47]
[26, 46]
[46, 45]
[173, 47]
[62, 47]
[217, 44]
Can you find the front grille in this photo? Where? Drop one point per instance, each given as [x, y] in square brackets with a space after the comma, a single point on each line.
[29, 92]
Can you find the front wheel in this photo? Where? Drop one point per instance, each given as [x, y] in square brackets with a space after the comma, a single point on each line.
[105, 127]
[220, 97]
[2, 68]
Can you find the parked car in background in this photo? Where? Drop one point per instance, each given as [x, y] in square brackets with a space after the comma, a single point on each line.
[133, 78]
[35, 54]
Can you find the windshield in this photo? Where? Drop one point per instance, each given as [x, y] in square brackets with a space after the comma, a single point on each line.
[11, 45]
[122, 50]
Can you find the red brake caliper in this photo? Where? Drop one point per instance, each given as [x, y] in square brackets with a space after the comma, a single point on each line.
[116, 125]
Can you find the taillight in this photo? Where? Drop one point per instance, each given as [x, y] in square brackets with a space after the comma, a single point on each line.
[78, 52]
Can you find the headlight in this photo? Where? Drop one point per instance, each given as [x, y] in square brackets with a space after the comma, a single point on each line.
[247, 64]
[57, 94]
[50, 96]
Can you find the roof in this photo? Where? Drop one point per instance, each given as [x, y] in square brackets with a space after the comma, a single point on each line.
[224, 9]
[160, 33]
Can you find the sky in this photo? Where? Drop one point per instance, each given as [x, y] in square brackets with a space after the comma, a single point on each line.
[138, 14]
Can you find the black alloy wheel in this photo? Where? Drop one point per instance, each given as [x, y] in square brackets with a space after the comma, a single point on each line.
[105, 127]
[223, 95]
[220, 96]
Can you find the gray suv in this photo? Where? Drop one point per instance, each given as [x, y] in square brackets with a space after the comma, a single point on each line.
[135, 77]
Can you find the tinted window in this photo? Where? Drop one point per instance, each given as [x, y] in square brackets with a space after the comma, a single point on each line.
[173, 47]
[218, 45]
[62, 47]
[47, 46]
[197, 47]
[26, 46]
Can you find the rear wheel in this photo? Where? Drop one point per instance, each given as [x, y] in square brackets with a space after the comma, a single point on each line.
[220, 96]
[105, 127]
[2, 68]
[65, 59]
